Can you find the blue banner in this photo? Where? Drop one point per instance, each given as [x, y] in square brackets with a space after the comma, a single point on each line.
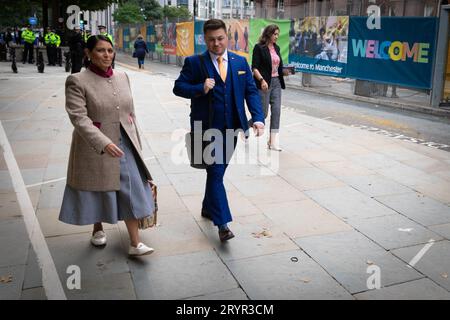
[319, 45]
[126, 37]
[151, 38]
[200, 45]
[400, 53]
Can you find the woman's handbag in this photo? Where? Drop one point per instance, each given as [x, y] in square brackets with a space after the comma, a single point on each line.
[150, 221]
[134, 54]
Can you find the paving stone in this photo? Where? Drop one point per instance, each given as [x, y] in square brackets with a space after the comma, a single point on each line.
[341, 169]
[233, 294]
[374, 161]
[346, 256]
[34, 294]
[51, 226]
[15, 242]
[6, 185]
[277, 276]
[393, 231]
[169, 201]
[9, 207]
[375, 185]
[104, 287]
[303, 218]
[11, 284]
[435, 263]
[346, 202]
[407, 175]
[180, 276]
[51, 195]
[441, 229]
[422, 289]
[174, 234]
[268, 190]
[33, 273]
[93, 261]
[309, 178]
[418, 207]
[254, 235]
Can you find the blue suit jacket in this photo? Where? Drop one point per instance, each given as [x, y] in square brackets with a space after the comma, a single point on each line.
[190, 85]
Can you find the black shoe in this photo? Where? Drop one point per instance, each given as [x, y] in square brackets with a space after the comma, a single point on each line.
[225, 235]
[206, 215]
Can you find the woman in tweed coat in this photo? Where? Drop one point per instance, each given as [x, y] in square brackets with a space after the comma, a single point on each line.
[107, 179]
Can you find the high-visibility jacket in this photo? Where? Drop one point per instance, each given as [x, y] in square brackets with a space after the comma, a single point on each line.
[53, 39]
[86, 36]
[28, 36]
[106, 34]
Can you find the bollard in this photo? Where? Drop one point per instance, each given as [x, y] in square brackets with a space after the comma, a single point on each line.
[40, 61]
[13, 58]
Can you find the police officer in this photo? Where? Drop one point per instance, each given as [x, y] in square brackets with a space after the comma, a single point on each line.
[76, 45]
[52, 42]
[29, 37]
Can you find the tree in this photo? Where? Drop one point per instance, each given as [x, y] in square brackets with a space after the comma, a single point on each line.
[176, 12]
[151, 9]
[128, 12]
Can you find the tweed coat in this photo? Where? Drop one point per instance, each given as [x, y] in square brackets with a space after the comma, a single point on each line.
[97, 107]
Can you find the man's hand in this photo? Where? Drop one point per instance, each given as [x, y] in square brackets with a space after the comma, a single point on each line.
[258, 129]
[209, 84]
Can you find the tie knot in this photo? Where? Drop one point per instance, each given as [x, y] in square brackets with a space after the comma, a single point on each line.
[219, 59]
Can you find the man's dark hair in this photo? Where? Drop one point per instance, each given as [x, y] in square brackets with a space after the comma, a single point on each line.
[214, 24]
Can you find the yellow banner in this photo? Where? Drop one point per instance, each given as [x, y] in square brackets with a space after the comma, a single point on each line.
[185, 39]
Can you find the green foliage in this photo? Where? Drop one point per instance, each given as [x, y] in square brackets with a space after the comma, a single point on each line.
[176, 12]
[16, 13]
[128, 12]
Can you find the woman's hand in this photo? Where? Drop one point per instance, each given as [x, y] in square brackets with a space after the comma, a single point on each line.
[264, 85]
[113, 150]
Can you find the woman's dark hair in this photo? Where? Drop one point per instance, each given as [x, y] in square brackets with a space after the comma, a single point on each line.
[93, 40]
[267, 33]
[214, 24]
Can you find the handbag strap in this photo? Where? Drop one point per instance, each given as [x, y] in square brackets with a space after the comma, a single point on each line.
[210, 93]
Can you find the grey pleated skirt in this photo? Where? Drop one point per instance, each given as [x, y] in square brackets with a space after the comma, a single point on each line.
[133, 200]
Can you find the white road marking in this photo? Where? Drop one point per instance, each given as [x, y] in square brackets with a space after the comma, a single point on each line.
[50, 280]
[421, 253]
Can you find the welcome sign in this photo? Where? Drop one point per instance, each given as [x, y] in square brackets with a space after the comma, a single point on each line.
[401, 52]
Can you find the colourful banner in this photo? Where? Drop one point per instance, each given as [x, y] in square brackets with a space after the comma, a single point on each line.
[159, 30]
[170, 38]
[185, 39]
[151, 38]
[118, 39]
[238, 36]
[126, 37]
[256, 28]
[319, 45]
[200, 45]
[397, 53]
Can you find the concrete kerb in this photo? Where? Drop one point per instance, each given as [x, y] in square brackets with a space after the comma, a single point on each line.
[381, 102]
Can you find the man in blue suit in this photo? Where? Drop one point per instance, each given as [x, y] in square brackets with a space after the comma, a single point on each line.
[217, 103]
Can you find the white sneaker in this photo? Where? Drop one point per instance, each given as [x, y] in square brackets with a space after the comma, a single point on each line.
[99, 238]
[140, 250]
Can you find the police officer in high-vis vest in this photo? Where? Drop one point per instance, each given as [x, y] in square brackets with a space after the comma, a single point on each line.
[28, 37]
[52, 42]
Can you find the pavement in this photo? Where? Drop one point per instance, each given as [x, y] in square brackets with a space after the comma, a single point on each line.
[340, 213]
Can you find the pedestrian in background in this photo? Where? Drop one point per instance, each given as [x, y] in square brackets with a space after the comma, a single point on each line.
[76, 45]
[267, 67]
[107, 178]
[140, 49]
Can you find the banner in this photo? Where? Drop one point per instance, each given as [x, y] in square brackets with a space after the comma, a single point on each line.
[170, 38]
[238, 36]
[319, 45]
[185, 39]
[256, 28]
[126, 38]
[118, 39]
[151, 38]
[159, 30]
[397, 53]
[200, 45]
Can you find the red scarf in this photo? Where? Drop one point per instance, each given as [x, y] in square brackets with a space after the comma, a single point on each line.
[105, 74]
